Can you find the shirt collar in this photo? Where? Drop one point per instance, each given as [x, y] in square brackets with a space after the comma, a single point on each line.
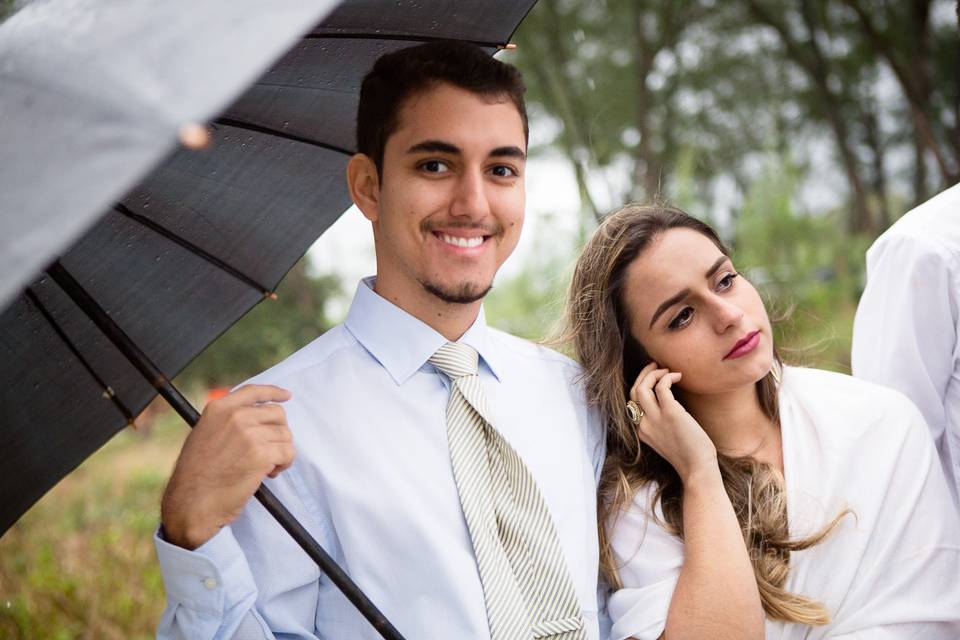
[402, 343]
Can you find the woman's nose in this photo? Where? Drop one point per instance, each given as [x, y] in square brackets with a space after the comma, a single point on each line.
[727, 314]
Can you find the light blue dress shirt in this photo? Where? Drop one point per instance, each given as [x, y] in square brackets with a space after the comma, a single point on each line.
[372, 482]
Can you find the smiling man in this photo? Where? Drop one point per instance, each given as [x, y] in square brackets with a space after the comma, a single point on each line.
[448, 467]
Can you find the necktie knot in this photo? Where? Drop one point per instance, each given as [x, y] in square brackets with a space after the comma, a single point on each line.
[456, 360]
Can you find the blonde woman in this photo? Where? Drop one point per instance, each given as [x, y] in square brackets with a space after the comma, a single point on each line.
[741, 498]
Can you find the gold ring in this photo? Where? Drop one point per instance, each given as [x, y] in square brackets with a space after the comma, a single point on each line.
[634, 412]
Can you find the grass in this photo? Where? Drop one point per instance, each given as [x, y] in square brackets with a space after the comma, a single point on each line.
[80, 564]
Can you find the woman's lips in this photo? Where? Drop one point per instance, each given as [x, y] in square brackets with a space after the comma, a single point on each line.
[744, 346]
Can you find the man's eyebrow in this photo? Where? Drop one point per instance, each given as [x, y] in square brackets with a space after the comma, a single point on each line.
[508, 152]
[434, 146]
[667, 304]
[683, 294]
[439, 146]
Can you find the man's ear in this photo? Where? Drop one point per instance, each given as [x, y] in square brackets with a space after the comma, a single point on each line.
[364, 183]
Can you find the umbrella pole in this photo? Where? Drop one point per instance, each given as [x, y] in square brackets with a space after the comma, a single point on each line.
[182, 406]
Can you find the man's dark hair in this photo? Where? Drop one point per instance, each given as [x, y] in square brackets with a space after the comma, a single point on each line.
[399, 75]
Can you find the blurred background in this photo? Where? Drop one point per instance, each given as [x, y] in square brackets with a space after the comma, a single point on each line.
[801, 129]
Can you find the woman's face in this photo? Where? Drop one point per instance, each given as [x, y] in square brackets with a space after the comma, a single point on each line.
[693, 313]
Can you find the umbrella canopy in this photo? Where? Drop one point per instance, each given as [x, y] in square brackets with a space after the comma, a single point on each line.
[93, 98]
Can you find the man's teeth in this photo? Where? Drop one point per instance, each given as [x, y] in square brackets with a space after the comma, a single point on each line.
[462, 242]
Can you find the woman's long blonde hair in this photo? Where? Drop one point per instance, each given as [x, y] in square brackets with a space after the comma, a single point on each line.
[597, 328]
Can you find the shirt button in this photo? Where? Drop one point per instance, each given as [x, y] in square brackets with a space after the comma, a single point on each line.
[210, 583]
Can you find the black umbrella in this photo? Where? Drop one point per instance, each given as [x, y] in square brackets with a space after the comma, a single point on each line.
[199, 240]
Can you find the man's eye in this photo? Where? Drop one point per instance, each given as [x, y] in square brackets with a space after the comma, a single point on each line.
[434, 166]
[682, 319]
[503, 171]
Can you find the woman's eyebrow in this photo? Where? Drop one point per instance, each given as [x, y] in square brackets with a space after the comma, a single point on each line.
[716, 265]
[672, 300]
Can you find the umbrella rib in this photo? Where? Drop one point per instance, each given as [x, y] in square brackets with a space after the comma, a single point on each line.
[240, 124]
[400, 37]
[107, 389]
[194, 249]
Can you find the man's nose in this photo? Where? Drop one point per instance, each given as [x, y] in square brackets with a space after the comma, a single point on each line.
[470, 196]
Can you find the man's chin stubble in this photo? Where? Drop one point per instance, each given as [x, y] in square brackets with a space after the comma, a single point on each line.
[466, 293]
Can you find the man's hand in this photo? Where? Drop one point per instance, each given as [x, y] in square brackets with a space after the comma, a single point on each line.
[240, 439]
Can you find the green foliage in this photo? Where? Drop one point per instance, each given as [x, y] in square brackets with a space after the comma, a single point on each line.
[80, 563]
[530, 304]
[271, 331]
[667, 89]
[809, 270]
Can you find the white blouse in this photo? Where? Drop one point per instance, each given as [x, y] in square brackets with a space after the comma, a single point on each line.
[892, 572]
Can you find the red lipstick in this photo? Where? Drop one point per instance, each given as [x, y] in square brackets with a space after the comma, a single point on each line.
[744, 345]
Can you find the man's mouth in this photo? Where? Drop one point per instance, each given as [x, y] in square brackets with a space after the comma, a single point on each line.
[460, 241]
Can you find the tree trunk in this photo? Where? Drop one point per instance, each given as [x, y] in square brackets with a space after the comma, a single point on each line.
[646, 166]
[549, 70]
[807, 56]
[871, 127]
[919, 172]
[914, 78]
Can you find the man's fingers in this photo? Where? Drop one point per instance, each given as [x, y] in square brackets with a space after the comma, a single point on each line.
[277, 457]
[251, 394]
[279, 469]
[266, 414]
[270, 434]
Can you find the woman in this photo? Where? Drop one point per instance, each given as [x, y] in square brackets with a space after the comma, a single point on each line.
[741, 498]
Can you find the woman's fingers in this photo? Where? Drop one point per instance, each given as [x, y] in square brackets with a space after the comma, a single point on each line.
[647, 377]
[664, 393]
[642, 392]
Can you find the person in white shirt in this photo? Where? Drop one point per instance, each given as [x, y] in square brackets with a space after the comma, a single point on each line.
[905, 334]
[371, 404]
[741, 498]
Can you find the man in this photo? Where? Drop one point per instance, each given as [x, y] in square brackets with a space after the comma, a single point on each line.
[461, 500]
[907, 323]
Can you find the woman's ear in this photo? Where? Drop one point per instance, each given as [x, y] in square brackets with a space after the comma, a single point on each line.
[363, 181]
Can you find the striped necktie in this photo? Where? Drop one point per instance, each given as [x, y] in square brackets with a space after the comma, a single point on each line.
[526, 586]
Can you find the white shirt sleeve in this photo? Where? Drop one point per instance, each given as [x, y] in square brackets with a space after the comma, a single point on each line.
[649, 559]
[210, 591]
[249, 581]
[905, 331]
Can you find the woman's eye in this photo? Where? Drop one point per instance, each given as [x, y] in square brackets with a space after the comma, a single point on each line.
[503, 171]
[434, 166]
[726, 281]
[682, 319]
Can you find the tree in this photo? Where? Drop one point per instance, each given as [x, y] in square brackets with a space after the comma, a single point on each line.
[802, 45]
[639, 88]
[613, 85]
[903, 36]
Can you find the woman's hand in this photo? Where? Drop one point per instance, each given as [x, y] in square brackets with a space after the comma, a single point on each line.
[667, 427]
